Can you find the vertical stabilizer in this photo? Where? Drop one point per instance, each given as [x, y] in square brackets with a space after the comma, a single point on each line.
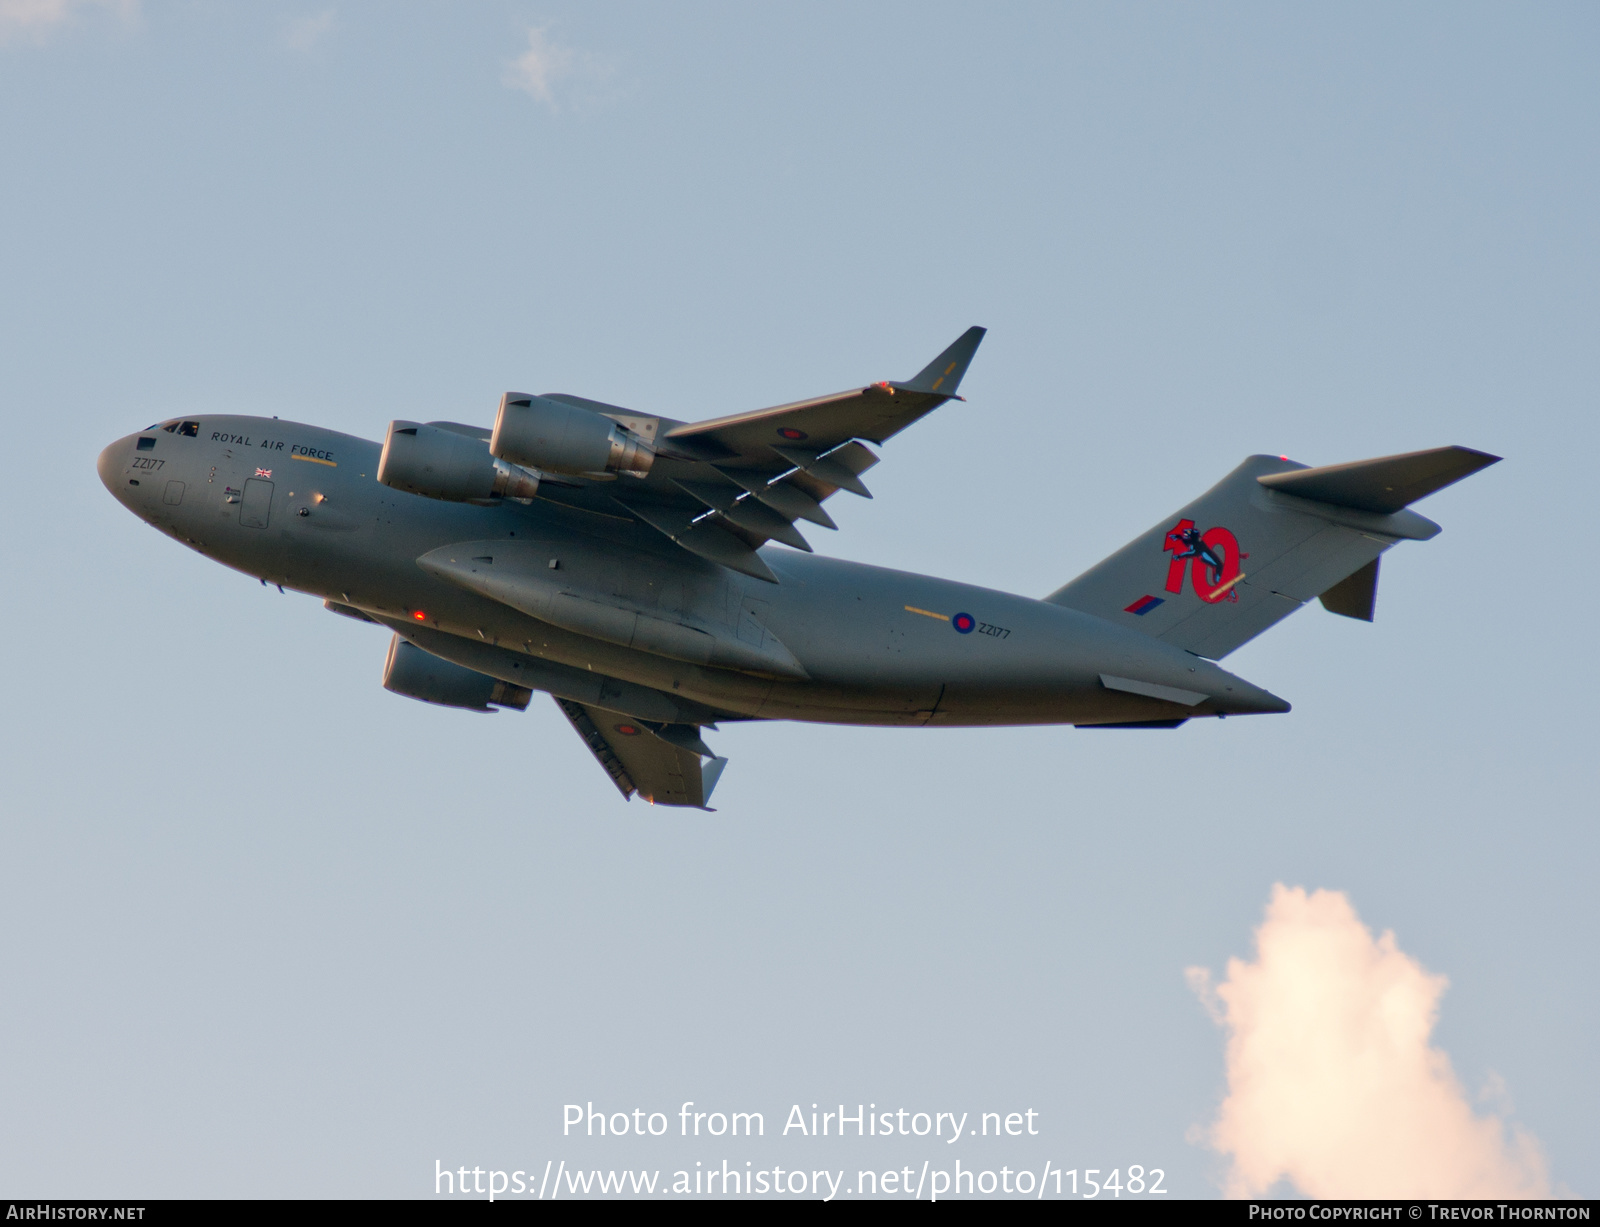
[1262, 542]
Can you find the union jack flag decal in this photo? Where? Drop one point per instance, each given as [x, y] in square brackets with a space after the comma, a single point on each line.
[263, 472]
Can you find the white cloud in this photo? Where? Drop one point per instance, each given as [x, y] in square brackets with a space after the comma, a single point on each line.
[38, 18]
[1332, 1083]
[547, 64]
[305, 34]
[538, 68]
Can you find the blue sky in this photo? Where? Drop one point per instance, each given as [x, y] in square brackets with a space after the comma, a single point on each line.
[269, 929]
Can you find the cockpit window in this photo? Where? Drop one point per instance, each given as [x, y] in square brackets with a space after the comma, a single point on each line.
[146, 444]
[189, 429]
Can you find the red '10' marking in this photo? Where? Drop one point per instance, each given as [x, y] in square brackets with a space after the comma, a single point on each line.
[1215, 558]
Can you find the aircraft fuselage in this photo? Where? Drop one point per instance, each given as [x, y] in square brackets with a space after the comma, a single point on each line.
[299, 506]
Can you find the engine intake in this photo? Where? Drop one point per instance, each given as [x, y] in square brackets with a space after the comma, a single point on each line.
[565, 438]
[442, 464]
[421, 675]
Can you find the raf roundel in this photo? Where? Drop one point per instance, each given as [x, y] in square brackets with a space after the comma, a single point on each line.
[964, 623]
[790, 433]
[628, 730]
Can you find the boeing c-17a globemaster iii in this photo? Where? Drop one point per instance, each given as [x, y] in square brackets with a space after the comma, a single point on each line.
[629, 565]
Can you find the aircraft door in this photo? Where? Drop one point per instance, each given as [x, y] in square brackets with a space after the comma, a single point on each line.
[256, 507]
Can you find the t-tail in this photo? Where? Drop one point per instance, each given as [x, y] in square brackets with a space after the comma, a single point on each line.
[1262, 542]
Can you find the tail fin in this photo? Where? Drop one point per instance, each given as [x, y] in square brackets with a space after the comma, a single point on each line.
[1266, 539]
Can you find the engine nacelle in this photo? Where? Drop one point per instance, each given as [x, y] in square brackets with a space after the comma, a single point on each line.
[445, 465]
[565, 438]
[421, 675]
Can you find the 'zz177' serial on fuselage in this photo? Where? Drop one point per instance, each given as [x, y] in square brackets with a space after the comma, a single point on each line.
[624, 563]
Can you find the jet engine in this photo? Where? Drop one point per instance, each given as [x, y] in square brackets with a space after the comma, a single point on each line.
[445, 465]
[421, 675]
[565, 438]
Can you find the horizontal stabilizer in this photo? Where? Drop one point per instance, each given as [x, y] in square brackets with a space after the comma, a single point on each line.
[1386, 484]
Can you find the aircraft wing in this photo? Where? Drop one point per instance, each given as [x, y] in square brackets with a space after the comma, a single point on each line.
[876, 412]
[661, 762]
[724, 487]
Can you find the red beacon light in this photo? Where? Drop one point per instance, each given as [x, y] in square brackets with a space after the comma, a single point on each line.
[419, 615]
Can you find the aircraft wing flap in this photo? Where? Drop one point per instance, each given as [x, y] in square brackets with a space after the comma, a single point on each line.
[822, 473]
[784, 498]
[706, 538]
[660, 763]
[765, 523]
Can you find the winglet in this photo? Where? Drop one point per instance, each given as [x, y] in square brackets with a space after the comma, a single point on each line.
[710, 773]
[943, 375]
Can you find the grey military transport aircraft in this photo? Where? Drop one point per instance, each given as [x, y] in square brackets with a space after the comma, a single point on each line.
[627, 564]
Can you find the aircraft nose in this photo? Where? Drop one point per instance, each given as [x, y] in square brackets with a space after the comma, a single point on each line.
[110, 464]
